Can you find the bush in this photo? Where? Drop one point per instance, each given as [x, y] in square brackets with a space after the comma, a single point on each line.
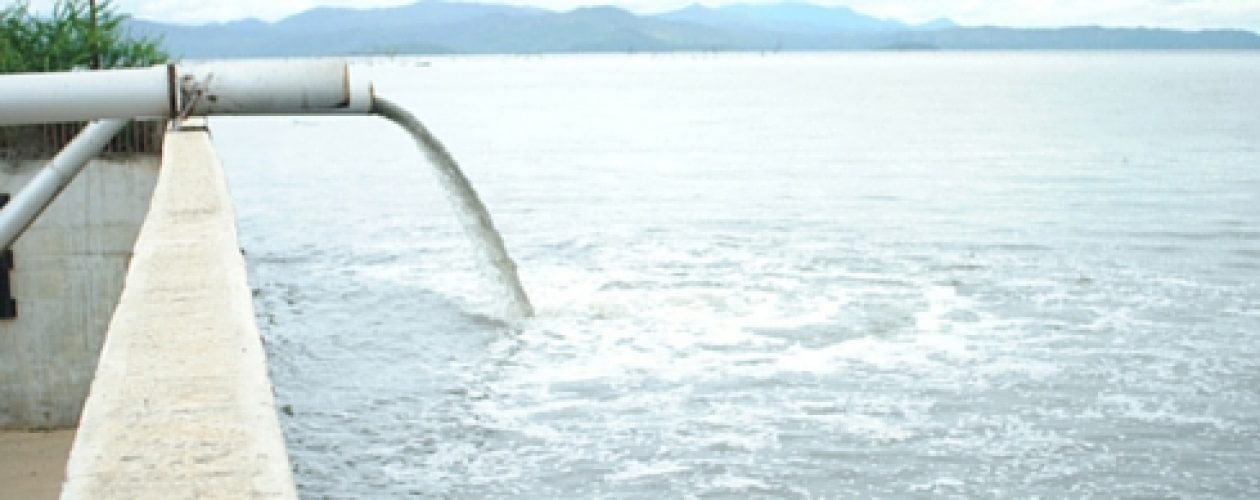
[66, 40]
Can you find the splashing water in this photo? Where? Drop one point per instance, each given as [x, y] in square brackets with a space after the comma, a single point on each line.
[471, 211]
[897, 285]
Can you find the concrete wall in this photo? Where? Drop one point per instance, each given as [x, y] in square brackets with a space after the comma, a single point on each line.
[181, 406]
[68, 273]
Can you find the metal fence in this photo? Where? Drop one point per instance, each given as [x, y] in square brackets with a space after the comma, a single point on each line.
[24, 142]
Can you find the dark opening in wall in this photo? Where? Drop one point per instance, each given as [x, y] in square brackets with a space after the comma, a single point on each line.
[8, 305]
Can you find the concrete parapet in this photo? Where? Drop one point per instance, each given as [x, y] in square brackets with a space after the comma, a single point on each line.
[181, 406]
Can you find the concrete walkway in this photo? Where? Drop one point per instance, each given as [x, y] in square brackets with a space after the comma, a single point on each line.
[33, 464]
[181, 406]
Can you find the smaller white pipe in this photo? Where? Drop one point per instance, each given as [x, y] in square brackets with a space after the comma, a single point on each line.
[73, 96]
[35, 196]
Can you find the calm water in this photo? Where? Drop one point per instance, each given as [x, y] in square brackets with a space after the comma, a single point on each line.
[797, 276]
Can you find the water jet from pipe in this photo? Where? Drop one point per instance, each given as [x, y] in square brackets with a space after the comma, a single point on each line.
[471, 211]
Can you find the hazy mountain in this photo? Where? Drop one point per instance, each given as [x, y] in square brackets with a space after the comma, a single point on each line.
[937, 24]
[590, 29]
[1087, 38]
[791, 18]
[434, 26]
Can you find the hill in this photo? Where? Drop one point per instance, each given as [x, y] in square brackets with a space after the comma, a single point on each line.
[435, 27]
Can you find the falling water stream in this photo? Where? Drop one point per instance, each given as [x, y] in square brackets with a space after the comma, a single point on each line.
[472, 213]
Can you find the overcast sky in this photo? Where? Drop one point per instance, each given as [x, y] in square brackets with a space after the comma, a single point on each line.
[1189, 14]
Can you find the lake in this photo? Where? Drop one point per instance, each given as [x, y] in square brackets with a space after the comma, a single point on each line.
[893, 275]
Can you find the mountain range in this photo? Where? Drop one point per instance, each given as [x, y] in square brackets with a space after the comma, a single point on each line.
[441, 27]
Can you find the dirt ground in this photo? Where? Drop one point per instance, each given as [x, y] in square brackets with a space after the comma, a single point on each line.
[33, 464]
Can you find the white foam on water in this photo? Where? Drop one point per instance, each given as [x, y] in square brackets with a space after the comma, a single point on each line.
[1156, 410]
[941, 485]
[921, 353]
[639, 470]
[735, 483]
[940, 300]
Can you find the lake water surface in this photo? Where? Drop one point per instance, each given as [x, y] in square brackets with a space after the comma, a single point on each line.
[791, 276]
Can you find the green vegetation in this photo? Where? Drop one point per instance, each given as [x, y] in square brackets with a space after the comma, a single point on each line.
[68, 39]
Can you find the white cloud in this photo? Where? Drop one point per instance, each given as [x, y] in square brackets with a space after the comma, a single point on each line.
[1187, 14]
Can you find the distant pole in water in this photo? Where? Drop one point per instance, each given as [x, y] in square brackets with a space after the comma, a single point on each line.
[472, 212]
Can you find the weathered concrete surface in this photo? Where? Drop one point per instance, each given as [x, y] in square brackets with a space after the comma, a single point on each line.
[33, 464]
[68, 273]
[181, 406]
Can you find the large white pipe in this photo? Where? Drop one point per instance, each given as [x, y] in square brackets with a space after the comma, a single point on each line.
[203, 89]
[40, 191]
[78, 96]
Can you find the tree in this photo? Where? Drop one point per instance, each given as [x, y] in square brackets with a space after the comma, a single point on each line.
[69, 39]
